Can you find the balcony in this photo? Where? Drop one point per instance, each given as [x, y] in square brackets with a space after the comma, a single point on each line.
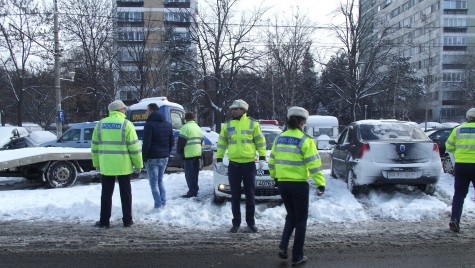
[455, 48]
[125, 3]
[177, 4]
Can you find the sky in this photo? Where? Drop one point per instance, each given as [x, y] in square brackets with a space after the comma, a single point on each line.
[81, 204]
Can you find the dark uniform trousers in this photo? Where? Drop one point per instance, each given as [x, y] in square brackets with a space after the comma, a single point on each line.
[295, 196]
[108, 183]
[192, 170]
[245, 173]
[464, 173]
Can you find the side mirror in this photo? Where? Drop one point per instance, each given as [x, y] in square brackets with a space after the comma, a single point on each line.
[332, 142]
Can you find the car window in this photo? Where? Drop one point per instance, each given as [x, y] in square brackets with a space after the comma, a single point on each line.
[270, 136]
[177, 119]
[388, 131]
[71, 135]
[342, 137]
[88, 134]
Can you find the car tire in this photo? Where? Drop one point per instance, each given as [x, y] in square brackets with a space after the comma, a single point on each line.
[61, 174]
[218, 200]
[429, 188]
[448, 165]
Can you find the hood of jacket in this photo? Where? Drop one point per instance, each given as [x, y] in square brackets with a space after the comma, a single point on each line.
[156, 116]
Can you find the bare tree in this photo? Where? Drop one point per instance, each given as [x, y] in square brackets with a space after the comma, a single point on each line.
[23, 29]
[89, 26]
[225, 49]
[289, 52]
[366, 43]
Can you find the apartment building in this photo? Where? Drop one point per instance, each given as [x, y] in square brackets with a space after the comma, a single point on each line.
[148, 34]
[438, 36]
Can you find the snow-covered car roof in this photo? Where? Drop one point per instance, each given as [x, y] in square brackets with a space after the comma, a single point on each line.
[38, 137]
[373, 130]
[8, 132]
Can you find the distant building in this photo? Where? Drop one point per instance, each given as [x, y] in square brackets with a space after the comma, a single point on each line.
[152, 37]
[437, 35]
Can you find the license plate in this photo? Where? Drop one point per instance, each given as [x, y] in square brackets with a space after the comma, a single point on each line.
[402, 175]
[265, 184]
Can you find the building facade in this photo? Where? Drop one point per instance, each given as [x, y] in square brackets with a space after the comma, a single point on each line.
[439, 37]
[152, 39]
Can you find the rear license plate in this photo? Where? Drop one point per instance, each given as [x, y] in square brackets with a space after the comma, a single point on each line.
[402, 175]
[265, 184]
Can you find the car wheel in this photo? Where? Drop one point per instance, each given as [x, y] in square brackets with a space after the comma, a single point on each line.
[218, 200]
[448, 165]
[350, 182]
[429, 188]
[61, 174]
[332, 170]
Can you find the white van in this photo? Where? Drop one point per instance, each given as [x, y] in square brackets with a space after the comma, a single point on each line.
[322, 128]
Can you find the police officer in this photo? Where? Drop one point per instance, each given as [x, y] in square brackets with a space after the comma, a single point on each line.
[189, 147]
[293, 159]
[116, 153]
[461, 143]
[242, 136]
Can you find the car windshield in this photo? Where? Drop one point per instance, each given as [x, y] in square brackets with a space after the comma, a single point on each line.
[270, 136]
[391, 131]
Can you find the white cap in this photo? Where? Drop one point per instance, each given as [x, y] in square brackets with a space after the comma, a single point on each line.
[470, 113]
[239, 104]
[116, 105]
[297, 111]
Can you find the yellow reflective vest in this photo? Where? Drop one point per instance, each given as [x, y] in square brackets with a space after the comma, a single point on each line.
[242, 138]
[461, 143]
[116, 149]
[294, 157]
[191, 132]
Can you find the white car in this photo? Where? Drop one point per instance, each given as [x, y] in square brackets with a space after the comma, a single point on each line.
[266, 189]
[448, 163]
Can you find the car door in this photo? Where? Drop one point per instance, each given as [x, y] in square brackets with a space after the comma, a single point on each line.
[338, 154]
[70, 138]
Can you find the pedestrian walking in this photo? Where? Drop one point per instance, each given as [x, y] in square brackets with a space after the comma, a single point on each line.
[189, 147]
[116, 154]
[157, 145]
[241, 136]
[293, 159]
[461, 143]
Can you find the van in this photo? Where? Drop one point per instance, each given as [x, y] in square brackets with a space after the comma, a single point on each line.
[77, 136]
[322, 128]
[175, 114]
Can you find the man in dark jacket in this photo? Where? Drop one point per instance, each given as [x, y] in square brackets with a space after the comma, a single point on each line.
[157, 145]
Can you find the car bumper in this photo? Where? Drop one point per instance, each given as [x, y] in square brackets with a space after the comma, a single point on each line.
[268, 193]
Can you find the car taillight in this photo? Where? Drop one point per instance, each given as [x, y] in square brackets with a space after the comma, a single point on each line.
[435, 148]
[364, 149]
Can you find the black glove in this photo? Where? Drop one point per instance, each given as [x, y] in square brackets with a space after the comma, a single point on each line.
[321, 188]
[276, 182]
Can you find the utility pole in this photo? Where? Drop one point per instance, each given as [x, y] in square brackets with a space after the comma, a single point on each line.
[57, 83]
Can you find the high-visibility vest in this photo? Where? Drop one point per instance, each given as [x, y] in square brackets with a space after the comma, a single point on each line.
[191, 132]
[242, 138]
[294, 157]
[461, 143]
[115, 146]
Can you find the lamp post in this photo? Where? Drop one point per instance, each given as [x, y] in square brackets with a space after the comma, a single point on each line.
[57, 83]
[365, 107]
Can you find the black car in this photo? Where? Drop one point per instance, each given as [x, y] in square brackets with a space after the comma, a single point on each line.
[440, 136]
[370, 152]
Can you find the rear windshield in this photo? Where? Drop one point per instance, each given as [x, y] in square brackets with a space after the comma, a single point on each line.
[391, 131]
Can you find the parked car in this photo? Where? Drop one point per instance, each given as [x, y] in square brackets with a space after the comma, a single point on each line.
[77, 136]
[448, 163]
[211, 136]
[266, 189]
[370, 152]
[440, 136]
[13, 137]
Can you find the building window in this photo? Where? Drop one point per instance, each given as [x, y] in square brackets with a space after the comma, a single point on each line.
[455, 4]
[131, 36]
[455, 41]
[129, 16]
[452, 77]
[453, 95]
[177, 17]
[455, 22]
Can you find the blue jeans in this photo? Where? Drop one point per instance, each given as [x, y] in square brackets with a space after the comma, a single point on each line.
[155, 169]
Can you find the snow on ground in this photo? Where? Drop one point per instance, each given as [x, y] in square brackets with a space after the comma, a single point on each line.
[81, 204]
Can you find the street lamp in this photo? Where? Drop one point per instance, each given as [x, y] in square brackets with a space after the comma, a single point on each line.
[57, 83]
[365, 107]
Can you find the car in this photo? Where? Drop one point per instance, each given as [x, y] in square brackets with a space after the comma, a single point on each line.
[77, 136]
[448, 163]
[266, 189]
[370, 152]
[13, 137]
[211, 136]
[440, 136]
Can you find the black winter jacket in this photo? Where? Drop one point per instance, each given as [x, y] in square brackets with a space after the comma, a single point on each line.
[158, 137]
